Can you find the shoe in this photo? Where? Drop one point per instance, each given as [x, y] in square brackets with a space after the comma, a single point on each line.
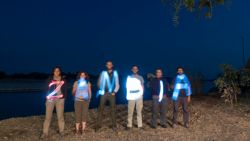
[44, 136]
[77, 133]
[153, 127]
[164, 126]
[140, 128]
[62, 134]
[186, 125]
[114, 129]
[174, 125]
[128, 128]
[97, 129]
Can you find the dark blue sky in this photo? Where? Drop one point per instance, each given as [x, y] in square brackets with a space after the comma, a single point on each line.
[82, 35]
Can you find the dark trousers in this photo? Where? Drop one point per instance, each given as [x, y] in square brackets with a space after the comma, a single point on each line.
[155, 110]
[103, 99]
[184, 103]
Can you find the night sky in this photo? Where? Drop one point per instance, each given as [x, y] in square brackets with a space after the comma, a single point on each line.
[36, 35]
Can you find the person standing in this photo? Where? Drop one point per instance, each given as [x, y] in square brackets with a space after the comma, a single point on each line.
[82, 93]
[108, 83]
[56, 97]
[159, 90]
[181, 95]
[135, 90]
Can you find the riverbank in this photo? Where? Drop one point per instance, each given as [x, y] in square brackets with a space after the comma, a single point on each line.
[209, 120]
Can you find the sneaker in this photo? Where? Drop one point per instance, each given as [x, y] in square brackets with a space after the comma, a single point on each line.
[77, 133]
[44, 136]
[114, 129]
[164, 126]
[153, 127]
[62, 134]
[97, 129]
[140, 128]
[128, 128]
[186, 125]
[174, 125]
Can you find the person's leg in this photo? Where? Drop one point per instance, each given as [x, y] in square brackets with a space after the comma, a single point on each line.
[139, 106]
[48, 116]
[112, 102]
[185, 111]
[175, 111]
[155, 111]
[60, 114]
[100, 111]
[163, 112]
[85, 108]
[78, 114]
[131, 106]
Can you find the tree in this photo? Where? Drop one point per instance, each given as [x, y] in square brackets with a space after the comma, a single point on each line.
[228, 84]
[201, 7]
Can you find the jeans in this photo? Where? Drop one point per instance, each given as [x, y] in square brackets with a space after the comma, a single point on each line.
[163, 110]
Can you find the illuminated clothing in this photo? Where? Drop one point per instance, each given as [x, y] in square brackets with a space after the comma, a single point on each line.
[134, 87]
[159, 90]
[62, 91]
[156, 86]
[82, 90]
[57, 103]
[109, 82]
[182, 87]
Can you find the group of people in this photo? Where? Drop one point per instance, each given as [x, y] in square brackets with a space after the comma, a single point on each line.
[108, 84]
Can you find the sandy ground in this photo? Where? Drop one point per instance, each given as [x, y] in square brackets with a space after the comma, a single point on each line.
[210, 120]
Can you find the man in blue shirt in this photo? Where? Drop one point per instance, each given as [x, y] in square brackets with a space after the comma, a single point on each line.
[181, 95]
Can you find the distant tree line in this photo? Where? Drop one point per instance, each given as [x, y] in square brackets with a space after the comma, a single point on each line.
[36, 75]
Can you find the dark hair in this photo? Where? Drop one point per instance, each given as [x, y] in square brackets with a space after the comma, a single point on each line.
[56, 67]
[159, 69]
[180, 68]
[109, 61]
[79, 75]
[135, 66]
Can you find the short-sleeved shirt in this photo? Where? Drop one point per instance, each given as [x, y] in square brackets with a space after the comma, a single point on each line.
[83, 93]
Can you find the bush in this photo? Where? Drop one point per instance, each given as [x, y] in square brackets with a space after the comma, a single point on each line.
[228, 84]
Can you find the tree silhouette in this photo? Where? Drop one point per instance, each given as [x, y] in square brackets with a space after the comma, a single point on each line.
[200, 7]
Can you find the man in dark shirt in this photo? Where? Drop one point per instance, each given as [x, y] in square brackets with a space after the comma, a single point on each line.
[159, 89]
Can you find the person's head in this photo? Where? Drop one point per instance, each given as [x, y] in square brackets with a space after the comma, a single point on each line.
[180, 70]
[158, 73]
[82, 75]
[109, 65]
[57, 71]
[135, 69]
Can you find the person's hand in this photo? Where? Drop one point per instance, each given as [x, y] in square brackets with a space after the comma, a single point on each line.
[113, 94]
[189, 99]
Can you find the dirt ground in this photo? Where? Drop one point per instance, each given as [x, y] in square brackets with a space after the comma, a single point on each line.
[210, 120]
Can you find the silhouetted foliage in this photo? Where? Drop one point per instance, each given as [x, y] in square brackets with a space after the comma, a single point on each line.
[201, 7]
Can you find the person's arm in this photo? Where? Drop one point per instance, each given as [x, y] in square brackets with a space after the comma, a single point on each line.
[189, 91]
[142, 83]
[117, 85]
[74, 89]
[90, 91]
[65, 89]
